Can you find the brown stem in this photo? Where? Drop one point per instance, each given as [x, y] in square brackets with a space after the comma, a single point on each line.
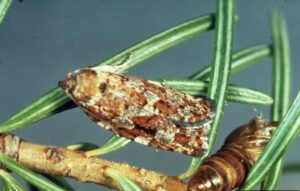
[60, 161]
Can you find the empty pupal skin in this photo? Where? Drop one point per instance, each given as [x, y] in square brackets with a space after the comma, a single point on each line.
[143, 111]
[228, 168]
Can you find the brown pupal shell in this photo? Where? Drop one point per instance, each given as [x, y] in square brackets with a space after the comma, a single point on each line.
[228, 168]
[143, 111]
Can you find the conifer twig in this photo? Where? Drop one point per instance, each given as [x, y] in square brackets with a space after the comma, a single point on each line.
[60, 161]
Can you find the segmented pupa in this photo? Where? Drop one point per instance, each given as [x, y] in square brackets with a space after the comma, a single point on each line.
[228, 168]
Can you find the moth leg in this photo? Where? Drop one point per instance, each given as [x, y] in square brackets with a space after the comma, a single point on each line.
[118, 68]
[124, 64]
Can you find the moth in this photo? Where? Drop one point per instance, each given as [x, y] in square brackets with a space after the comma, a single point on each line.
[143, 111]
[228, 167]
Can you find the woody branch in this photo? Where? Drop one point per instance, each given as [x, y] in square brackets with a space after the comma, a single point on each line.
[60, 161]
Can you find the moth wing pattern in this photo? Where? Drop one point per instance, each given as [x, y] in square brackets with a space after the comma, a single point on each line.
[143, 111]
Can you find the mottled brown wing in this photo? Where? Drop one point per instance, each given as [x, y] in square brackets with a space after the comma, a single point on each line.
[142, 111]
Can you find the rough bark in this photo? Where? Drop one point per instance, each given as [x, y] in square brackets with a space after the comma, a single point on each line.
[60, 161]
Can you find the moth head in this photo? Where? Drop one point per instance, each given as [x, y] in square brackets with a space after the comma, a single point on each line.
[81, 84]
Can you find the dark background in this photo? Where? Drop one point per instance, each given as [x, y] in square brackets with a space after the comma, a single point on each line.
[40, 41]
